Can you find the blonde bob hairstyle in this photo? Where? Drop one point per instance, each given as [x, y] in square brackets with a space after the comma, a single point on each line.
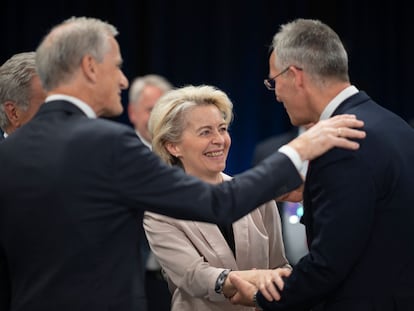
[168, 117]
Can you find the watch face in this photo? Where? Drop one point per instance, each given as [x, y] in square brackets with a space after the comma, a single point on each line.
[218, 288]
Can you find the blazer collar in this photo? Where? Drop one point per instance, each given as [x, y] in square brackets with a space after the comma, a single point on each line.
[60, 105]
[353, 101]
[74, 100]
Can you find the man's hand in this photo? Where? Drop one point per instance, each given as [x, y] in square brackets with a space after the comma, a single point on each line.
[269, 282]
[245, 291]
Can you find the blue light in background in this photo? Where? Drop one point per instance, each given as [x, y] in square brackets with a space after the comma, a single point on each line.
[295, 211]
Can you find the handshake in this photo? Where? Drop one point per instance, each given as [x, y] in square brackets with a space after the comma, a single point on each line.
[240, 287]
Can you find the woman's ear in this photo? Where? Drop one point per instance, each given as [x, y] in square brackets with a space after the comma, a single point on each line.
[173, 149]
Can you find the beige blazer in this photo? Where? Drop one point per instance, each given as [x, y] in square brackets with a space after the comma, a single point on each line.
[193, 254]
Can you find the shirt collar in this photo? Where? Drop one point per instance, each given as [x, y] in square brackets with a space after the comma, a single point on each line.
[337, 100]
[144, 141]
[75, 101]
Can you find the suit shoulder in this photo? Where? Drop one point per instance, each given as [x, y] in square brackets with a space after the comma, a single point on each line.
[109, 127]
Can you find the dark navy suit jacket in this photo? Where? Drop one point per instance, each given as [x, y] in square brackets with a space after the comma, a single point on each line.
[359, 218]
[72, 194]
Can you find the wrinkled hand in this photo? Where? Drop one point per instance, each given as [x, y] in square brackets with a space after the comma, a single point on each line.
[326, 134]
[245, 291]
[269, 282]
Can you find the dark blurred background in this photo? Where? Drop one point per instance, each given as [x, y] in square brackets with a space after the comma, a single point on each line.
[225, 43]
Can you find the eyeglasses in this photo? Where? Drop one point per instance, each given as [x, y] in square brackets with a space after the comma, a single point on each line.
[271, 82]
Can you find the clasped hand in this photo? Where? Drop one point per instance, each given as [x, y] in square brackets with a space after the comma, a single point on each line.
[241, 286]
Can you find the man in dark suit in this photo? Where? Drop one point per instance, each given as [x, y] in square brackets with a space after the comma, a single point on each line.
[74, 187]
[359, 213]
[21, 95]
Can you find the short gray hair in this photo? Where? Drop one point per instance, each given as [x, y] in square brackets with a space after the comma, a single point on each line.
[167, 121]
[15, 82]
[61, 51]
[152, 79]
[312, 46]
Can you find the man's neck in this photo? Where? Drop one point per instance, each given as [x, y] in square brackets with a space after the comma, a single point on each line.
[144, 141]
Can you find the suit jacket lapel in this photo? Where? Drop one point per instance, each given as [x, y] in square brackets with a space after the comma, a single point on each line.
[353, 101]
[215, 239]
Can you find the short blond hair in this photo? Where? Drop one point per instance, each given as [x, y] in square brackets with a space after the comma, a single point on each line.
[167, 120]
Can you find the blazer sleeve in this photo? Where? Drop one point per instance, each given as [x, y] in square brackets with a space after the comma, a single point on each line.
[146, 183]
[183, 263]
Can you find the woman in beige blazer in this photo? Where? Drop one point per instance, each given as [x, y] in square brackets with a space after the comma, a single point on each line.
[189, 128]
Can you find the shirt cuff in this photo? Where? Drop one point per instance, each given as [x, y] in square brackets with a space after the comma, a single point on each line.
[294, 156]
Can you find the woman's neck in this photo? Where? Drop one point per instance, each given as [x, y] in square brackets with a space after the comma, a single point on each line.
[211, 179]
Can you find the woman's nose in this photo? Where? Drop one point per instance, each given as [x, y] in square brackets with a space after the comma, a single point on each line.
[218, 138]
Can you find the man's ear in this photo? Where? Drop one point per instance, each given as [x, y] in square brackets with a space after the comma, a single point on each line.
[131, 114]
[298, 75]
[88, 66]
[12, 113]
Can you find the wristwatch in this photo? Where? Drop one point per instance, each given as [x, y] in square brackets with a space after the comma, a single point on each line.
[218, 288]
[256, 305]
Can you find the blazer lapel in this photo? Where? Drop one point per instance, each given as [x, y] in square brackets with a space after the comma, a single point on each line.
[215, 239]
[351, 102]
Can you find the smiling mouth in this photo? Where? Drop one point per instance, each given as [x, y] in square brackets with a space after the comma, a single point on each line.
[214, 154]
